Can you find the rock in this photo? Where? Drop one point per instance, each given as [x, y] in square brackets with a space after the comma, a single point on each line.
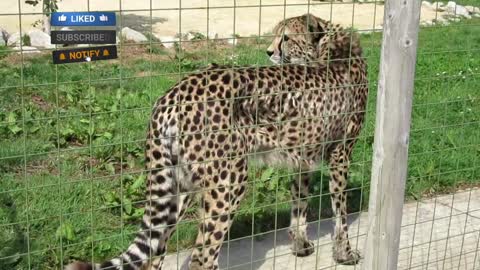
[438, 6]
[232, 41]
[428, 5]
[440, 20]
[167, 41]
[473, 10]
[40, 39]
[189, 36]
[26, 49]
[426, 23]
[131, 35]
[457, 10]
[14, 39]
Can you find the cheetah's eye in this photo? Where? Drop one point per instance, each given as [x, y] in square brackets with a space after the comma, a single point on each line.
[285, 38]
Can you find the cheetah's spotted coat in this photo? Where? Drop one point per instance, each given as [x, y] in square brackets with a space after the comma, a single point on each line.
[201, 132]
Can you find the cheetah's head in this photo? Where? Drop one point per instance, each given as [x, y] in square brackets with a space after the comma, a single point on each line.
[308, 39]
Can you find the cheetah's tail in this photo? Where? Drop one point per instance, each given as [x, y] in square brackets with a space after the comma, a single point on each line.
[159, 218]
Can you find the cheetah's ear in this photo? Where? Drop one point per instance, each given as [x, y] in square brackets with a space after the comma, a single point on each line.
[315, 30]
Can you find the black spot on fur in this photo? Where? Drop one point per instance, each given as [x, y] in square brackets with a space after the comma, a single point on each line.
[226, 78]
[156, 154]
[218, 235]
[212, 88]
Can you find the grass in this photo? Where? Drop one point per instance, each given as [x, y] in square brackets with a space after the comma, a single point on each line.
[466, 2]
[71, 140]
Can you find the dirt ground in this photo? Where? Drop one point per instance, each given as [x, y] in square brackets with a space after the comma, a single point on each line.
[222, 18]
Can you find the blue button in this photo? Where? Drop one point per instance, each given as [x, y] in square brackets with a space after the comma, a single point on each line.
[83, 19]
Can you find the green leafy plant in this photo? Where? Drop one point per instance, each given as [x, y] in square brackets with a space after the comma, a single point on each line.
[132, 192]
[26, 40]
[65, 232]
[13, 124]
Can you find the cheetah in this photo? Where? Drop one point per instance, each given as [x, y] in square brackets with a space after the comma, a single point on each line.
[308, 108]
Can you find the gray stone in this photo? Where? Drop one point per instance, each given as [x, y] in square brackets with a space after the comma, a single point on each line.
[168, 41]
[14, 39]
[472, 9]
[40, 39]
[131, 35]
[232, 41]
[457, 10]
[426, 23]
[438, 6]
[441, 20]
[189, 36]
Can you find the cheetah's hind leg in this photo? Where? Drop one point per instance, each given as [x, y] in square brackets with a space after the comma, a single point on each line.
[339, 164]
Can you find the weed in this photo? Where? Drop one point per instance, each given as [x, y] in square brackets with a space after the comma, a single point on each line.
[4, 51]
[26, 40]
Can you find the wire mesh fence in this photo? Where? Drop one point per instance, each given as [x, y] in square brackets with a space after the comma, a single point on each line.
[72, 137]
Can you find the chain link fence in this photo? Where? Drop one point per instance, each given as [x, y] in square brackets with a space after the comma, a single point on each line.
[72, 137]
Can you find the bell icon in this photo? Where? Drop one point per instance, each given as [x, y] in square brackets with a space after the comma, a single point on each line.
[62, 56]
[106, 53]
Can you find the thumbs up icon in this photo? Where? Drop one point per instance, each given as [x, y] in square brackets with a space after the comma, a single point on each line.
[62, 18]
[103, 18]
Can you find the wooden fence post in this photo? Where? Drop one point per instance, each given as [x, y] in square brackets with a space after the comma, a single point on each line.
[392, 128]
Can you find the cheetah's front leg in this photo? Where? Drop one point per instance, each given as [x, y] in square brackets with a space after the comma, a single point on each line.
[301, 246]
